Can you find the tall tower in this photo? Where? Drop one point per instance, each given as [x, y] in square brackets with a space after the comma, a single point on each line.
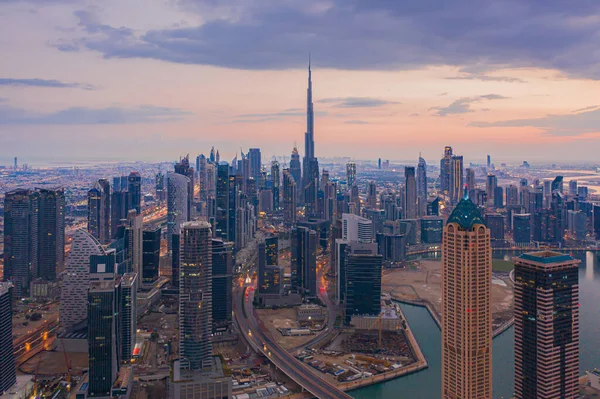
[51, 232]
[310, 165]
[177, 196]
[410, 193]
[222, 269]
[350, 173]
[456, 178]
[304, 259]
[275, 179]
[445, 170]
[289, 197]
[7, 366]
[195, 295]
[295, 167]
[421, 187]
[546, 326]
[183, 168]
[466, 305]
[134, 186]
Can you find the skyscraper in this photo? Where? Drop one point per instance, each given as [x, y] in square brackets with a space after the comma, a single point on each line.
[195, 295]
[295, 167]
[222, 269]
[490, 186]
[150, 255]
[445, 167]
[120, 204]
[456, 178]
[222, 200]
[76, 281]
[275, 184]
[8, 375]
[255, 163]
[351, 173]
[363, 280]
[134, 186]
[573, 187]
[159, 185]
[289, 197]
[372, 195]
[20, 239]
[51, 232]
[304, 259]
[546, 326]
[99, 211]
[183, 168]
[310, 175]
[356, 228]
[512, 195]
[421, 187]
[128, 314]
[522, 228]
[470, 179]
[177, 197]
[410, 193]
[134, 241]
[466, 305]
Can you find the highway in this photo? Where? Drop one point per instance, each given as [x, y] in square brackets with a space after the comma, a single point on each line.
[292, 367]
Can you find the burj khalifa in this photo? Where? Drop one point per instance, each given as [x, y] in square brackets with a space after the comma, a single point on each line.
[310, 164]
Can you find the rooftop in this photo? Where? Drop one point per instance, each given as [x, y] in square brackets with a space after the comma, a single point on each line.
[546, 257]
[466, 214]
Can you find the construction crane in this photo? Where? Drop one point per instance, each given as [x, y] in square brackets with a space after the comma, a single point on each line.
[68, 363]
[35, 376]
[380, 322]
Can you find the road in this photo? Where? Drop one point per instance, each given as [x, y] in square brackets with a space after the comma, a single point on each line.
[292, 367]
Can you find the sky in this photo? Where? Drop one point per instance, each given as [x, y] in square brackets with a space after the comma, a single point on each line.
[156, 79]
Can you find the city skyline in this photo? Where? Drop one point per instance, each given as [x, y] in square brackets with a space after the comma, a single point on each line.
[100, 82]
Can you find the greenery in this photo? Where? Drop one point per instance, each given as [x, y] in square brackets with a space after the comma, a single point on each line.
[499, 265]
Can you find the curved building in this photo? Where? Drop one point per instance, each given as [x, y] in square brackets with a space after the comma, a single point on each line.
[177, 204]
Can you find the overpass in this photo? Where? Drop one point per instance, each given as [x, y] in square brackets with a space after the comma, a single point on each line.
[283, 360]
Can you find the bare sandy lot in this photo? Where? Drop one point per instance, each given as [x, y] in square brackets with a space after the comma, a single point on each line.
[282, 318]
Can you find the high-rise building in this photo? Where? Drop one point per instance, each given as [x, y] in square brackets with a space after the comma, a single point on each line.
[51, 232]
[8, 375]
[304, 259]
[134, 243]
[363, 282]
[128, 316]
[255, 163]
[134, 186]
[522, 228]
[546, 326]
[421, 187]
[495, 223]
[183, 168]
[351, 173]
[275, 184]
[432, 228]
[150, 255]
[99, 211]
[466, 305]
[512, 195]
[296, 167]
[269, 274]
[289, 197]
[470, 179]
[445, 167]
[159, 185]
[177, 197]
[489, 161]
[456, 178]
[120, 204]
[372, 195]
[310, 165]
[103, 325]
[557, 184]
[20, 239]
[498, 197]
[410, 193]
[490, 186]
[222, 274]
[356, 228]
[222, 200]
[195, 295]
[76, 281]
[573, 187]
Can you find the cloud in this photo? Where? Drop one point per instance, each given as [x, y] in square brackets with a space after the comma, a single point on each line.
[274, 116]
[586, 108]
[463, 105]
[413, 115]
[92, 116]
[365, 35]
[479, 74]
[555, 125]
[356, 102]
[356, 122]
[35, 82]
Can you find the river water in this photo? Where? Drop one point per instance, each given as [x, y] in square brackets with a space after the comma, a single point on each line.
[426, 384]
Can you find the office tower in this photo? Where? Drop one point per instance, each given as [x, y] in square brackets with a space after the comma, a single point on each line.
[15, 165]
[269, 274]
[120, 204]
[222, 272]
[175, 259]
[102, 324]
[20, 239]
[421, 187]
[583, 192]
[391, 246]
[410, 193]
[233, 209]
[489, 162]
[363, 282]
[466, 305]
[495, 223]
[445, 167]
[557, 184]
[8, 375]
[304, 259]
[356, 228]
[195, 295]
[150, 255]
[76, 281]
[354, 198]
[289, 197]
[295, 167]
[372, 195]
[522, 228]
[99, 211]
[310, 165]
[51, 232]
[433, 207]
[573, 187]
[577, 224]
[255, 163]
[512, 195]
[159, 187]
[456, 178]
[275, 184]
[211, 157]
[432, 228]
[128, 313]
[183, 168]
[498, 197]
[340, 268]
[265, 201]
[177, 197]
[134, 186]
[350, 173]
[470, 179]
[490, 186]
[222, 200]
[134, 241]
[546, 326]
